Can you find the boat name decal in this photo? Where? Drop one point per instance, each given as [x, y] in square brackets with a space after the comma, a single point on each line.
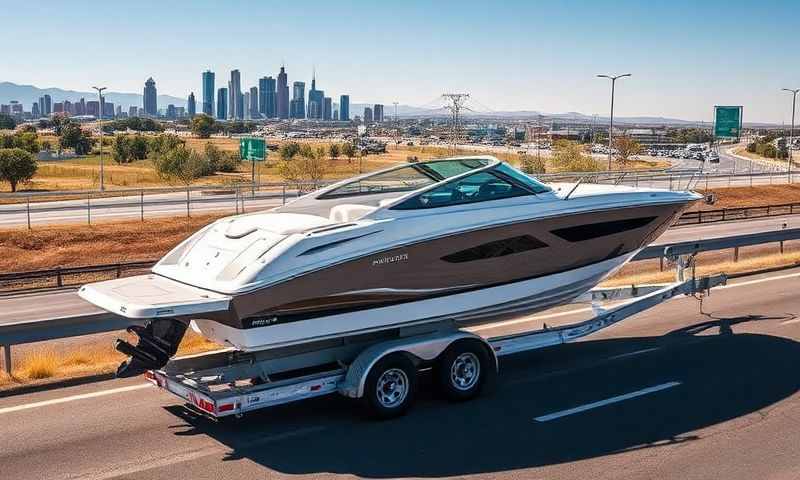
[392, 259]
[263, 321]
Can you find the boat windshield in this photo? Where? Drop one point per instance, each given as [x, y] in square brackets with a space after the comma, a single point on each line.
[408, 178]
[533, 185]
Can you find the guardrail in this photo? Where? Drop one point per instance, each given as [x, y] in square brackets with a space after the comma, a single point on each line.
[27, 208]
[100, 322]
[66, 276]
[738, 213]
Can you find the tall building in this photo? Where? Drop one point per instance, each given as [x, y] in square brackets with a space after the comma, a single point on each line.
[93, 108]
[344, 107]
[266, 97]
[208, 93]
[236, 96]
[48, 105]
[80, 107]
[222, 104]
[327, 109]
[282, 100]
[191, 105]
[150, 98]
[118, 111]
[316, 99]
[297, 108]
[367, 114]
[231, 105]
[107, 109]
[41, 107]
[246, 102]
[133, 111]
[171, 112]
[377, 113]
[253, 104]
[35, 110]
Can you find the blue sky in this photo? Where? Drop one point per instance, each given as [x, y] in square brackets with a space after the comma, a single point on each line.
[685, 56]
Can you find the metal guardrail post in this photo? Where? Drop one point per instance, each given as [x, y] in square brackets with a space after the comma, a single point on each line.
[236, 200]
[141, 205]
[59, 278]
[188, 213]
[89, 208]
[7, 358]
[735, 254]
[283, 198]
[29, 212]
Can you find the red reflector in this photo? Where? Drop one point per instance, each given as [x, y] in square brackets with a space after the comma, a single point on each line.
[225, 408]
[314, 388]
[149, 375]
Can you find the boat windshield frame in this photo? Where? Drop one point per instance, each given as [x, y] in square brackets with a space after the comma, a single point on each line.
[327, 193]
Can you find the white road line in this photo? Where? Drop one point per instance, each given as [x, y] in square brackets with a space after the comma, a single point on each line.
[636, 352]
[607, 401]
[761, 280]
[72, 398]
[529, 319]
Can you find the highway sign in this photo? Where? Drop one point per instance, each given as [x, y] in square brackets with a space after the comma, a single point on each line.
[727, 121]
[253, 149]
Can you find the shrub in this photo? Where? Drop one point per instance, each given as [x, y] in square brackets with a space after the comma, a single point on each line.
[532, 165]
[16, 166]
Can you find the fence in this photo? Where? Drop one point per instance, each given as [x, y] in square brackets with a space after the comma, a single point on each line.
[68, 276]
[739, 213]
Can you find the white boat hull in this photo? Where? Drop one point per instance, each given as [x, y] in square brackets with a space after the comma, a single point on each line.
[469, 308]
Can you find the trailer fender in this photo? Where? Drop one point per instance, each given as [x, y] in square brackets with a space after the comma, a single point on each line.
[422, 349]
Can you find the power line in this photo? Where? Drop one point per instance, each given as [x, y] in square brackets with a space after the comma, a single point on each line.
[456, 104]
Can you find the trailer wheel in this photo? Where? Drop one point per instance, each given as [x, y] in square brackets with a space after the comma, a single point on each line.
[463, 370]
[391, 386]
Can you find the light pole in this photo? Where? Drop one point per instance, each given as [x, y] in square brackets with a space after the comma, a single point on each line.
[791, 132]
[100, 101]
[611, 125]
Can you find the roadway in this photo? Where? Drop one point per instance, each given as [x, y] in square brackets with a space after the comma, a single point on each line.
[44, 305]
[671, 393]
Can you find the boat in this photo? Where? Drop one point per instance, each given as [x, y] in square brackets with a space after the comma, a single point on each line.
[467, 239]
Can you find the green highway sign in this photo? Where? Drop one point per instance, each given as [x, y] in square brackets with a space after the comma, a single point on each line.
[727, 121]
[254, 149]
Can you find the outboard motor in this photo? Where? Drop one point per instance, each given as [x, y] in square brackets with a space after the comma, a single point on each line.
[158, 342]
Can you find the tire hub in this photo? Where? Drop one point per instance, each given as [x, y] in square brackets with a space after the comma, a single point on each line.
[392, 388]
[465, 371]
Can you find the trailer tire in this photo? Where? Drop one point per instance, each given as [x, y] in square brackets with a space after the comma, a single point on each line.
[391, 386]
[463, 370]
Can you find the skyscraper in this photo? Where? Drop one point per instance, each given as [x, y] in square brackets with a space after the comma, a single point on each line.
[222, 103]
[316, 99]
[237, 104]
[327, 109]
[48, 105]
[344, 107]
[208, 92]
[81, 107]
[282, 100]
[150, 98]
[266, 97]
[253, 104]
[231, 105]
[35, 110]
[377, 113]
[191, 105]
[246, 103]
[133, 111]
[367, 114]
[298, 104]
[41, 107]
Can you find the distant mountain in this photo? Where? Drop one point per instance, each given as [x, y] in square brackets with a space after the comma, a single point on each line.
[27, 94]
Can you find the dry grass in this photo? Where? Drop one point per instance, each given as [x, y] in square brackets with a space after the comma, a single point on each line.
[756, 196]
[96, 357]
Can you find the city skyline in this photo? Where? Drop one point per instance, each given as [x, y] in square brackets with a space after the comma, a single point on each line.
[520, 56]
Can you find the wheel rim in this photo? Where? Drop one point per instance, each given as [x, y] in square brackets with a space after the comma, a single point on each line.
[465, 371]
[392, 387]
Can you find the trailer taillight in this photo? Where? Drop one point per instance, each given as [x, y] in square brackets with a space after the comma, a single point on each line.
[226, 408]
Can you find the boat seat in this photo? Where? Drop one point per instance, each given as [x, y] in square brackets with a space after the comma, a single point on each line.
[348, 212]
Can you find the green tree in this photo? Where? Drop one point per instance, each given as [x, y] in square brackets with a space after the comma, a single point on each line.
[349, 151]
[121, 149]
[288, 150]
[25, 140]
[182, 165]
[626, 148]
[220, 161]
[333, 151]
[568, 156]
[73, 136]
[7, 122]
[304, 169]
[161, 144]
[203, 125]
[16, 165]
[531, 164]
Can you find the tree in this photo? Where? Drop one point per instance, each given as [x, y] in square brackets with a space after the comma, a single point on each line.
[161, 144]
[220, 161]
[287, 151]
[203, 125]
[568, 156]
[16, 165]
[532, 164]
[349, 151]
[28, 128]
[304, 169]
[25, 140]
[121, 150]
[333, 151]
[7, 122]
[182, 165]
[626, 148]
[72, 136]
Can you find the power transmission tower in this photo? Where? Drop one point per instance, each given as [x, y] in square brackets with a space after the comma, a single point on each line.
[396, 127]
[457, 101]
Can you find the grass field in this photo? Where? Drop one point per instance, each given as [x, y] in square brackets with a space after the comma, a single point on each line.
[84, 173]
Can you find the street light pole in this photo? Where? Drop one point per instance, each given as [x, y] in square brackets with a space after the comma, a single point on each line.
[613, 79]
[791, 132]
[100, 107]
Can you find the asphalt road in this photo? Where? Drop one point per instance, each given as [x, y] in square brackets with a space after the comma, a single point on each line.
[671, 393]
